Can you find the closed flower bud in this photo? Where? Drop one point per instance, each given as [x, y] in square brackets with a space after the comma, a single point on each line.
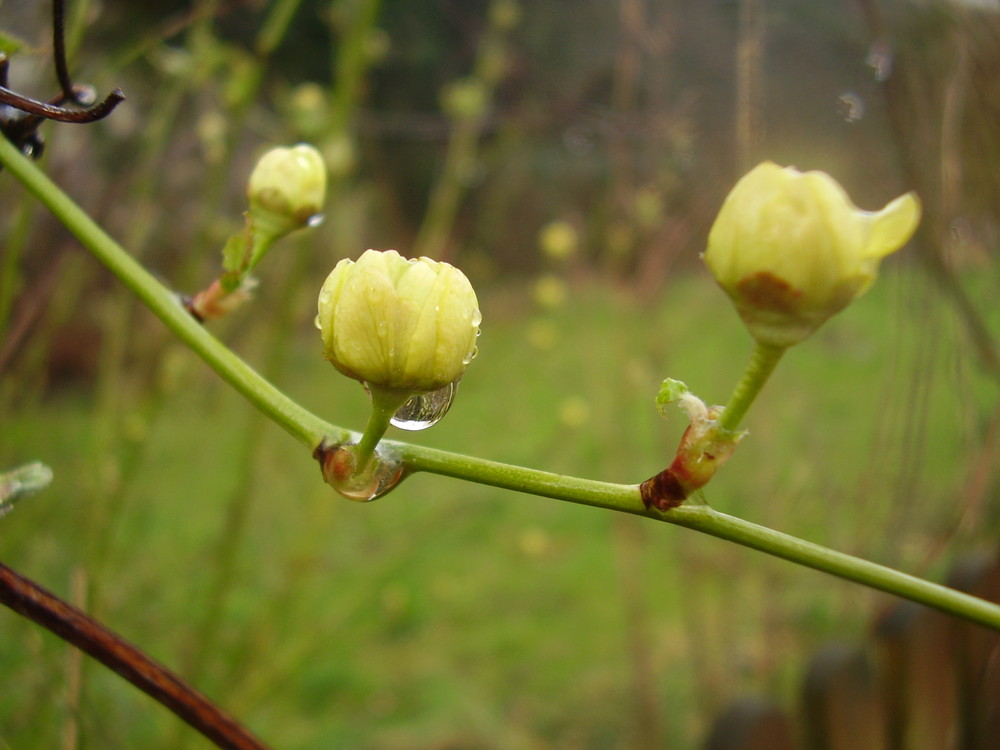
[791, 249]
[407, 326]
[286, 189]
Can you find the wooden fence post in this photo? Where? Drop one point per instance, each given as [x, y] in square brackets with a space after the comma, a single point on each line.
[927, 681]
[919, 682]
[751, 724]
[842, 705]
[977, 656]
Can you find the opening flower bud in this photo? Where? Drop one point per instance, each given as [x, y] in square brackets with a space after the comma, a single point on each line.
[286, 189]
[396, 324]
[791, 249]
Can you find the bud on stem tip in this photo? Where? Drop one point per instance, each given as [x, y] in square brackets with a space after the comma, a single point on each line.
[791, 249]
[406, 329]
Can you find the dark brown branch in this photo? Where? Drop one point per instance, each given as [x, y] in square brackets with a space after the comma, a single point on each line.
[74, 626]
[59, 52]
[62, 114]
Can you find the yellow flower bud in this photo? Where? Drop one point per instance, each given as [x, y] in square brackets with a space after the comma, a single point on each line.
[287, 188]
[791, 249]
[397, 324]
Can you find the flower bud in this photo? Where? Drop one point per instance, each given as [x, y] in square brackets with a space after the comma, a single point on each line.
[286, 189]
[397, 324]
[791, 249]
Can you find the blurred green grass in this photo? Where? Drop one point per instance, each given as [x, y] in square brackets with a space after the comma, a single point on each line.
[451, 615]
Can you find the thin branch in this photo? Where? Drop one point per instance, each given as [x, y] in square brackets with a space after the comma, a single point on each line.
[27, 598]
[48, 111]
[59, 51]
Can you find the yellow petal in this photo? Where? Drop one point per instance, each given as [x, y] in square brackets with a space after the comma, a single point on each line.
[893, 226]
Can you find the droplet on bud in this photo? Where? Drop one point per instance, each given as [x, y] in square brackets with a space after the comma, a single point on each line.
[425, 409]
[340, 470]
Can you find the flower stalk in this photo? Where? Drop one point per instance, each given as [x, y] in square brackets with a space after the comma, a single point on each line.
[285, 192]
[763, 360]
[790, 250]
[316, 433]
[384, 405]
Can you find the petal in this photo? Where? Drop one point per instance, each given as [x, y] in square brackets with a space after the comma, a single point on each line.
[329, 294]
[364, 334]
[893, 226]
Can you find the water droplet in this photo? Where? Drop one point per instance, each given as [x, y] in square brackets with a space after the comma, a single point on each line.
[317, 323]
[880, 59]
[315, 220]
[382, 474]
[85, 95]
[477, 319]
[425, 409]
[851, 106]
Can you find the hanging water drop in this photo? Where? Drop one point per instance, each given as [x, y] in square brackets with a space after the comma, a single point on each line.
[880, 59]
[425, 409]
[315, 220]
[339, 466]
[851, 106]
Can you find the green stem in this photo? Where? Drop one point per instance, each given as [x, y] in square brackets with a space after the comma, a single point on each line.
[703, 518]
[384, 405]
[762, 363]
[300, 423]
[625, 498]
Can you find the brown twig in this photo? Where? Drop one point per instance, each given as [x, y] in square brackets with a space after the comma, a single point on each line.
[29, 599]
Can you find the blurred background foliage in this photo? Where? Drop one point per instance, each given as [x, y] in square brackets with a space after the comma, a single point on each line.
[569, 155]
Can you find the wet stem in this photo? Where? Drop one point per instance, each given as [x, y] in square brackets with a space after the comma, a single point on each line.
[312, 431]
